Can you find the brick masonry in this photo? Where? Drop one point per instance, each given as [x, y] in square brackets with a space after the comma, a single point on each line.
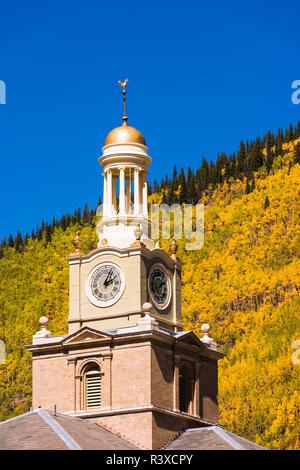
[139, 383]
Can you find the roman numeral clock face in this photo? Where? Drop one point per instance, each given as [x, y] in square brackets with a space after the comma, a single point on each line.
[159, 286]
[105, 285]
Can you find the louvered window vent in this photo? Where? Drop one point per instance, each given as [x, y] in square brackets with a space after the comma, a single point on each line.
[93, 388]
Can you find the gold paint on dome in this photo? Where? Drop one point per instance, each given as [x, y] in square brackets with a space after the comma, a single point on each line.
[124, 135]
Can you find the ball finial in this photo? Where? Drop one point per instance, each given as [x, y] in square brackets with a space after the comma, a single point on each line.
[205, 328]
[147, 306]
[43, 321]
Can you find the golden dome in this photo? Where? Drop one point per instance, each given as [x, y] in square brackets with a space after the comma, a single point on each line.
[124, 135]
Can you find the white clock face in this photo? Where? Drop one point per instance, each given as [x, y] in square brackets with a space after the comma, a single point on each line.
[105, 285]
[159, 286]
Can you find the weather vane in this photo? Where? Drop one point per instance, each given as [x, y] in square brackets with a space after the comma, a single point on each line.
[123, 85]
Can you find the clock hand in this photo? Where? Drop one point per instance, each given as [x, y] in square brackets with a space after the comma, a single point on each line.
[111, 280]
[106, 280]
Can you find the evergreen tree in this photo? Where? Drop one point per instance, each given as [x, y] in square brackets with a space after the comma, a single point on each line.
[183, 188]
[77, 216]
[267, 203]
[48, 234]
[155, 186]
[214, 178]
[26, 238]
[63, 223]
[174, 181]
[18, 244]
[291, 133]
[86, 217]
[10, 242]
[297, 153]
[252, 183]
[205, 174]
[241, 159]
[191, 188]
[248, 189]
[269, 161]
[2, 246]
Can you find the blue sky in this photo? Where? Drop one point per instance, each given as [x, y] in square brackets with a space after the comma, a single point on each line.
[202, 76]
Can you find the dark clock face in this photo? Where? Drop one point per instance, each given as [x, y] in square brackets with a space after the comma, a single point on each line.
[159, 286]
[106, 283]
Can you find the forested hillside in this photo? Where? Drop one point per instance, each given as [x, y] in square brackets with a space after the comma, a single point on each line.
[245, 282]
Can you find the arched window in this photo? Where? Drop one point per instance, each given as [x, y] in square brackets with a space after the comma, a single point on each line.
[92, 386]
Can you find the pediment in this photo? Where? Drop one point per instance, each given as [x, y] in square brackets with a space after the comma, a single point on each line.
[86, 335]
[189, 337]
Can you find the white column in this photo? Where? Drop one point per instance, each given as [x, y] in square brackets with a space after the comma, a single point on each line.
[114, 195]
[109, 193]
[136, 192]
[122, 192]
[128, 193]
[104, 195]
[145, 194]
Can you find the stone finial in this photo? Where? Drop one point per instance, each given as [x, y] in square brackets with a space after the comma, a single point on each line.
[43, 321]
[173, 248]
[77, 241]
[146, 307]
[205, 329]
[147, 322]
[138, 232]
[77, 245]
[43, 333]
[158, 244]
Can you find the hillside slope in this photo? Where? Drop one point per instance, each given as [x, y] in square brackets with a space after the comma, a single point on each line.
[245, 282]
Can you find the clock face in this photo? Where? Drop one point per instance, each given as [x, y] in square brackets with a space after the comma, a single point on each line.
[159, 286]
[105, 285]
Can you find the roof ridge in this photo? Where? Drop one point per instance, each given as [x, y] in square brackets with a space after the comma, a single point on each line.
[58, 429]
[244, 439]
[230, 440]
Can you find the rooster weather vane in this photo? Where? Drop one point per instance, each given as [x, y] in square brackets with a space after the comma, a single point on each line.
[123, 85]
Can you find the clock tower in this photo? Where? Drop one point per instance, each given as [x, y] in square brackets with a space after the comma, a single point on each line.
[125, 362]
[109, 285]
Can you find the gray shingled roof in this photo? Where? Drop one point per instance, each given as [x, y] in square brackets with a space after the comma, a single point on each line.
[42, 430]
[211, 438]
